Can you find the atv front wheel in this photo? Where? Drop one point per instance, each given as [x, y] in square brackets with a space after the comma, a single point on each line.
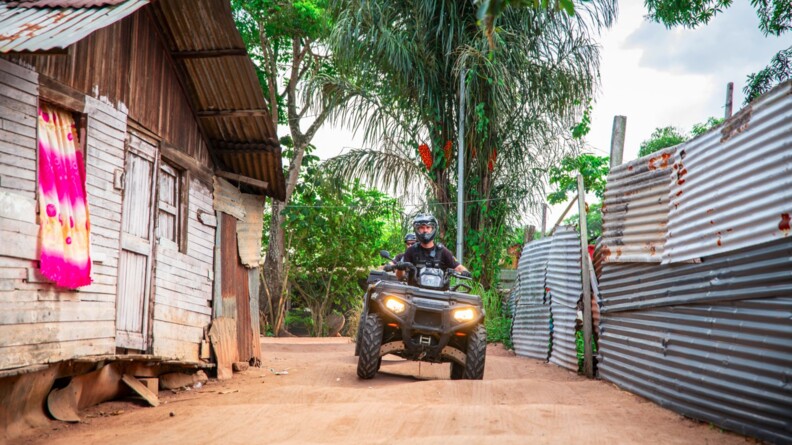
[476, 354]
[370, 343]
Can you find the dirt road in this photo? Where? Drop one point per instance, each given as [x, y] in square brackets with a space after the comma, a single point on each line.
[321, 400]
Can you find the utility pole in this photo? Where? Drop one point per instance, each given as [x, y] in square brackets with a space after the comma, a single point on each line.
[617, 140]
[729, 99]
[588, 353]
[461, 170]
[544, 219]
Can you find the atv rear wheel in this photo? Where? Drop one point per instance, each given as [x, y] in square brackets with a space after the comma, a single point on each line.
[370, 342]
[476, 354]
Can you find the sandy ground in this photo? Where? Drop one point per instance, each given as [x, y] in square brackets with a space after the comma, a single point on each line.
[321, 401]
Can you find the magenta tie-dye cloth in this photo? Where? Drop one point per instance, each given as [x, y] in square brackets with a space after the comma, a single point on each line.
[65, 225]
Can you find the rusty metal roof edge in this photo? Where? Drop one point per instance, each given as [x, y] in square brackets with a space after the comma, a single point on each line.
[54, 33]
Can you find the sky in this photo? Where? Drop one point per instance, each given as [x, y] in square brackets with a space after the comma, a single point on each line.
[654, 76]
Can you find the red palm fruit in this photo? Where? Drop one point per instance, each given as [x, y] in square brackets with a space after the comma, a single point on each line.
[426, 155]
[493, 157]
[447, 152]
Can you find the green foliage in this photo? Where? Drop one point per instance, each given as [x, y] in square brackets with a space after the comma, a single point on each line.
[687, 13]
[660, 139]
[669, 136]
[584, 126]
[703, 127]
[775, 16]
[593, 168]
[334, 232]
[404, 60]
[593, 221]
[497, 320]
[779, 70]
[579, 348]
[269, 28]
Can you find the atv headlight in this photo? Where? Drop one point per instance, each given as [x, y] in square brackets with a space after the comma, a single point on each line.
[395, 305]
[464, 314]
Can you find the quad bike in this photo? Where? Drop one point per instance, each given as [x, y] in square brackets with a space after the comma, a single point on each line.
[424, 319]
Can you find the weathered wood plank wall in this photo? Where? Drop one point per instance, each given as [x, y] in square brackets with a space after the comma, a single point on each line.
[128, 64]
[183, 284]
[40, 323]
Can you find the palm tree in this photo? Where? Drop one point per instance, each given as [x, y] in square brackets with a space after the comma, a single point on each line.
[402, 61]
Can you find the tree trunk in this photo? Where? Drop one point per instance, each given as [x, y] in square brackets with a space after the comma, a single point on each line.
[273, 267]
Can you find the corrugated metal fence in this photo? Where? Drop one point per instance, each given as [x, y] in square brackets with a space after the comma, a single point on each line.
[545, 302]
[711, 340]
[707, 333]
[695, 277]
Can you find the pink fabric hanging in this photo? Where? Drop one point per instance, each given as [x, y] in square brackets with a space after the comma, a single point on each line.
[65, 225]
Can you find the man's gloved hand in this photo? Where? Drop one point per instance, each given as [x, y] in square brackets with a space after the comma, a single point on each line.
[388, 268]
[465, 273]
[401, 265]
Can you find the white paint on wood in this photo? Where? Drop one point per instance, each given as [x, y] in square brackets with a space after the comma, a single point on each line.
[248, 230]
[134, 270]
[54, 352]
[228, 199]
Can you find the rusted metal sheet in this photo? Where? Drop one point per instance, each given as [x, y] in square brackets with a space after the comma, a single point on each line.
[63, 3]
[235, 290]
[732, 186]
[564, 290]
[635, 209]
[45, 28]
[710, 340]
[532, 324]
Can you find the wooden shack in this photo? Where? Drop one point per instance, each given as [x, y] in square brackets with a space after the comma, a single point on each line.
[167, 111]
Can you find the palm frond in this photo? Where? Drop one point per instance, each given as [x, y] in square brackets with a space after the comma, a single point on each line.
[386, 168]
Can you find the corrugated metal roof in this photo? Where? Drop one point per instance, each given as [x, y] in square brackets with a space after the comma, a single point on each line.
[564, 290]
[531, 327]
[41, 29]
[733, 185]
[210, 56]
[62, 3]
[635, 209]
[710, 340]
[224, 87]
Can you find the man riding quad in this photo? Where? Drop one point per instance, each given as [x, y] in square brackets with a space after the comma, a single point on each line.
[427, 318]
[427, 251]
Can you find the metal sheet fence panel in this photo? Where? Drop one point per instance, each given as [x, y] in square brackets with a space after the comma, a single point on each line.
[564, 289]
[635, 209]
[711, 340]
[531, 326]
[733, 186]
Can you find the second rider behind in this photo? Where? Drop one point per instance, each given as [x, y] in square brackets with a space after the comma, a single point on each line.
[427, 253]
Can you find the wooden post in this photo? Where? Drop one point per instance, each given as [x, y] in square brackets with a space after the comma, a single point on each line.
[588, 356]
[617, 140]
[729, 99]
[560, 219]
[528, 235]
[544, 219]
[217, 295]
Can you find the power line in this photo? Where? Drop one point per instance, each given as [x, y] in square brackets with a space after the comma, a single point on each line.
[321, 206]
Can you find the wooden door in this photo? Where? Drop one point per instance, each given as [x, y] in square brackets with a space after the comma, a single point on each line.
[135, 258]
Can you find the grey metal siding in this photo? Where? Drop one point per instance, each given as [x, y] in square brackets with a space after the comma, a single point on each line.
[711, 340]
